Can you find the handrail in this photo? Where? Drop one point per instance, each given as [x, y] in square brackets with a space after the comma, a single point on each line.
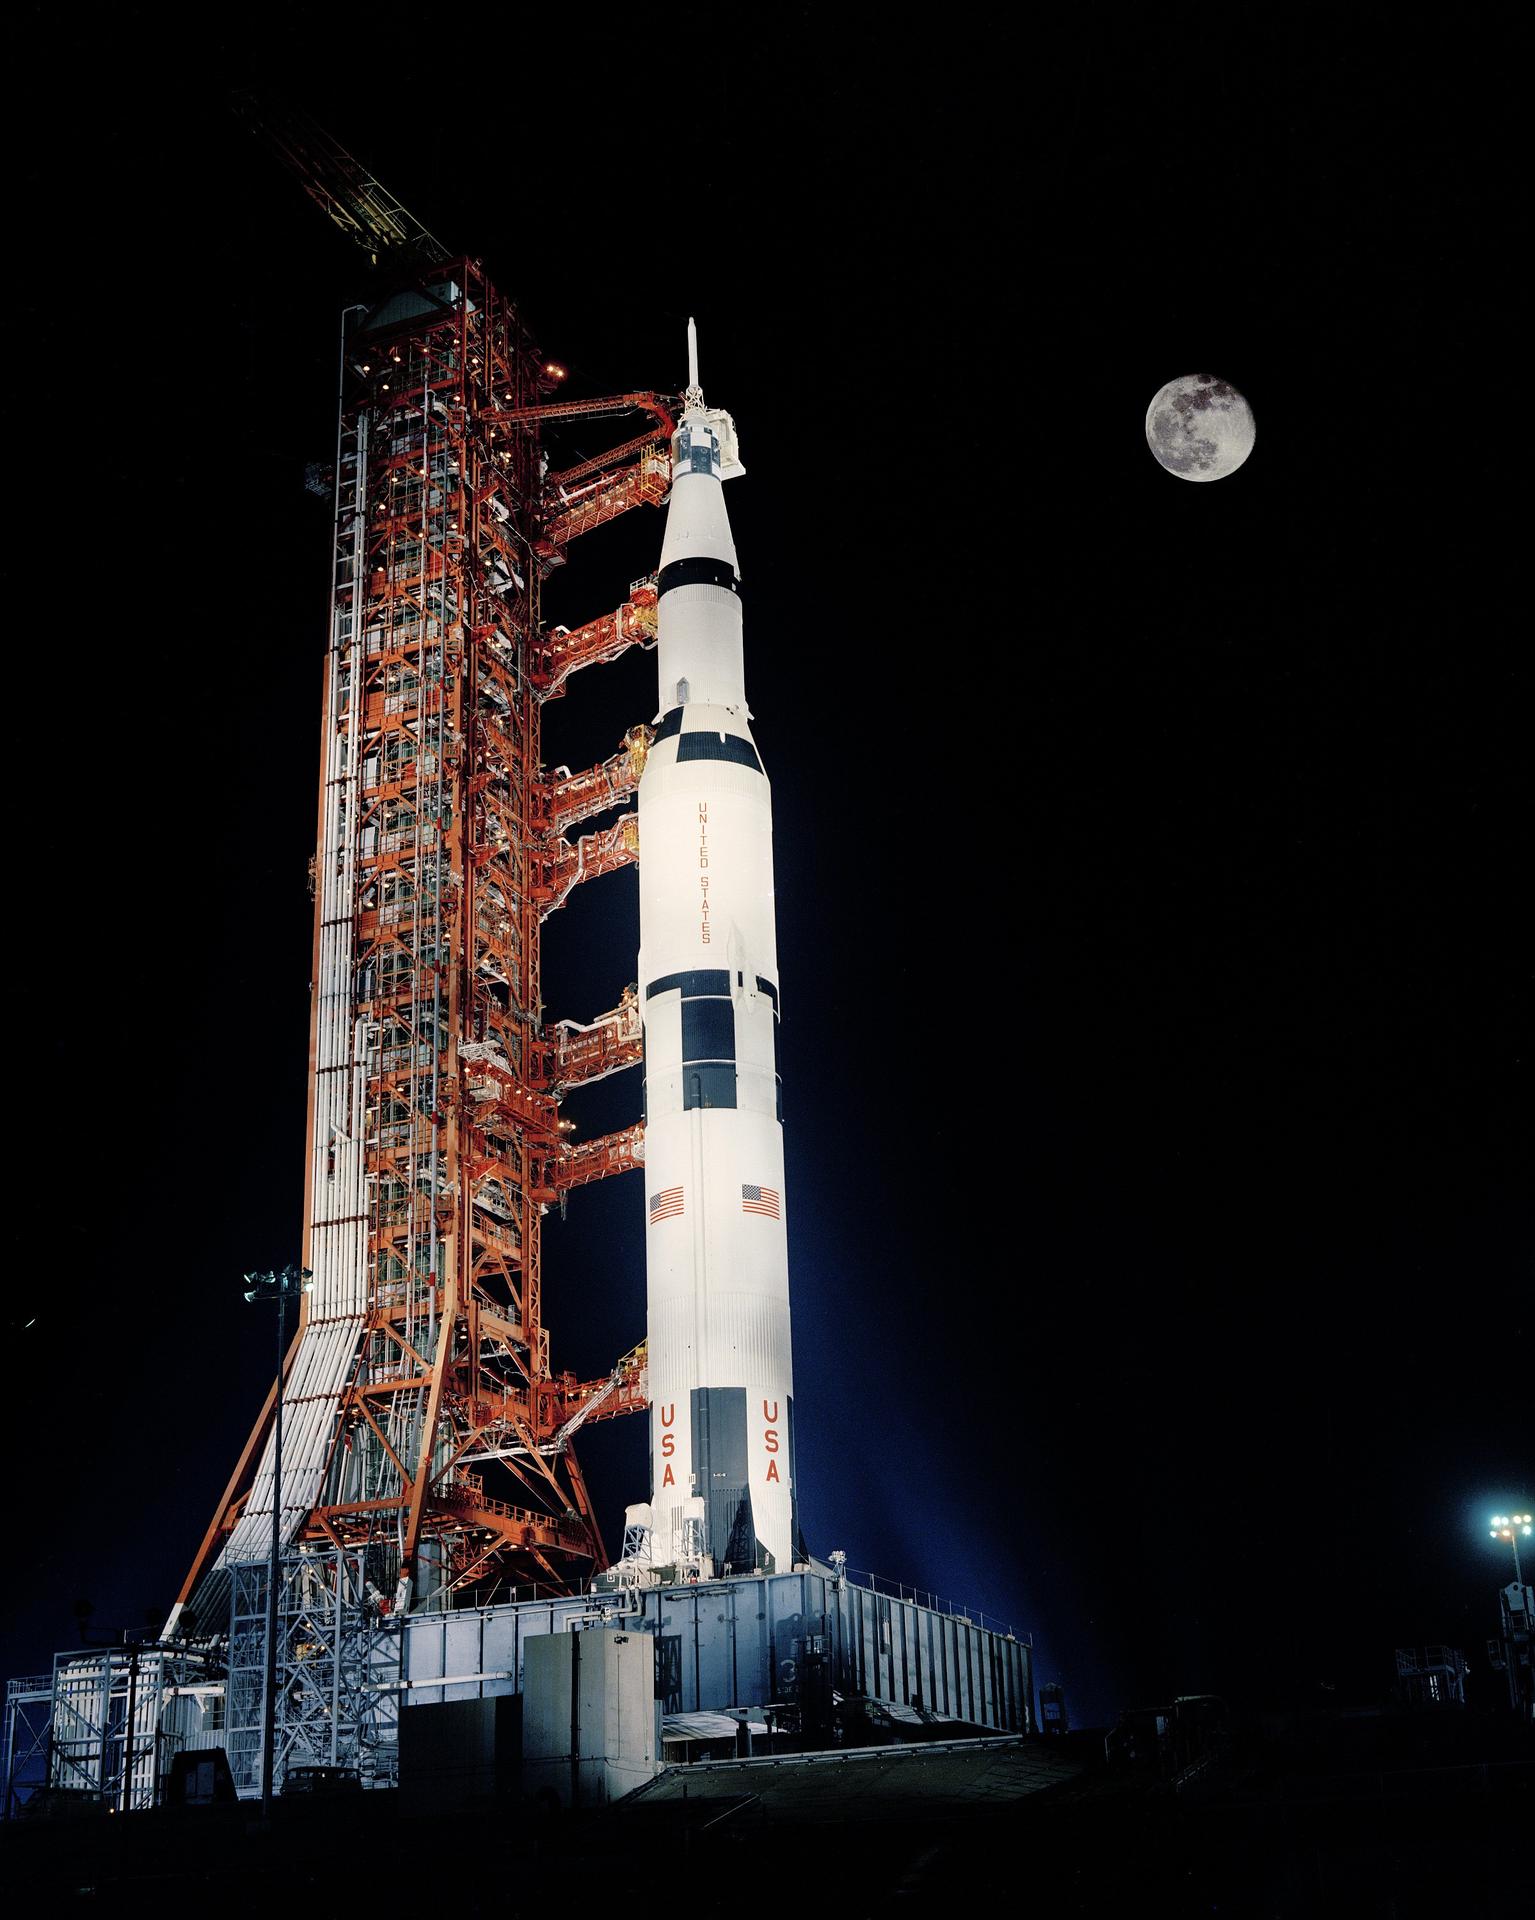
[896, 1590]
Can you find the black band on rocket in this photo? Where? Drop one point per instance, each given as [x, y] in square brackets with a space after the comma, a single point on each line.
[699, 570]
[698, 980]
[706, 745]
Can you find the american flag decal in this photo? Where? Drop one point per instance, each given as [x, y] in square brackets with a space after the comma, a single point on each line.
[666, 1204]
[763, 1200]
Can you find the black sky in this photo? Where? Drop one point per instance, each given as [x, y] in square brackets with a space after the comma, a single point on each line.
[1152, 858]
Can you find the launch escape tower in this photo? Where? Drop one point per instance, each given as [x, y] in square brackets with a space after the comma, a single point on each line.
[427, 1458]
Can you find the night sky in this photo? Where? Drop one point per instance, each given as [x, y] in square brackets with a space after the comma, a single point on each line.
[1152, 858]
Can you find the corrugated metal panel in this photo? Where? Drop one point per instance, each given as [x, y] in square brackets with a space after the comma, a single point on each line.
[738, 1639]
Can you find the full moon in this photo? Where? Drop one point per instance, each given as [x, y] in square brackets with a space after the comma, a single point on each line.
[1200, 427]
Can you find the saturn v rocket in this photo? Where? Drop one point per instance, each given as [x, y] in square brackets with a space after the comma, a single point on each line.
[721, 1381]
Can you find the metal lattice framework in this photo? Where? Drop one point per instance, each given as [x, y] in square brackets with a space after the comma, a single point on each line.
[116, 1715]
[423, 1424]
[28, 1723]
[338, 1670]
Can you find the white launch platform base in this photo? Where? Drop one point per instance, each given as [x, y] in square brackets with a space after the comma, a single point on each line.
[742, 1642]
[746, 1647]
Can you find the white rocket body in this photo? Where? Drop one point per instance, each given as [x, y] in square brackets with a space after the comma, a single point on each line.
[721, 1382]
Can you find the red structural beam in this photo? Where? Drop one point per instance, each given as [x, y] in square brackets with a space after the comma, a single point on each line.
[567, 863]
[555, 656]
[661, 406]
[579, 1162]
[611, 1042]
[645, 484]
[566, 802]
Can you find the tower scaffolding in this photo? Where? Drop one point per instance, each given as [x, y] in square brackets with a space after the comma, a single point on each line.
[426, 1437]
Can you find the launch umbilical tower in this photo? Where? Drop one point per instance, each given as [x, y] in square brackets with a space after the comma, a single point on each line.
[427, 1436]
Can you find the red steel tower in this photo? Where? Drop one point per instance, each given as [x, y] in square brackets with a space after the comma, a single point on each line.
[423, 1424]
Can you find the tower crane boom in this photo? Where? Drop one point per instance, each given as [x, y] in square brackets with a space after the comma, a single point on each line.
[361, 206]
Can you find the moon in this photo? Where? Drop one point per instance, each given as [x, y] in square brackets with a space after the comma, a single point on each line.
[1200, 427]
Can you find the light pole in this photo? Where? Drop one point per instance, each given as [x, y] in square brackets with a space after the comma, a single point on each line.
[1509, 1527]
[281, 1288]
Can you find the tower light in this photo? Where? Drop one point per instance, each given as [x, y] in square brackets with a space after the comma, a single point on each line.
[1512, 1527]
